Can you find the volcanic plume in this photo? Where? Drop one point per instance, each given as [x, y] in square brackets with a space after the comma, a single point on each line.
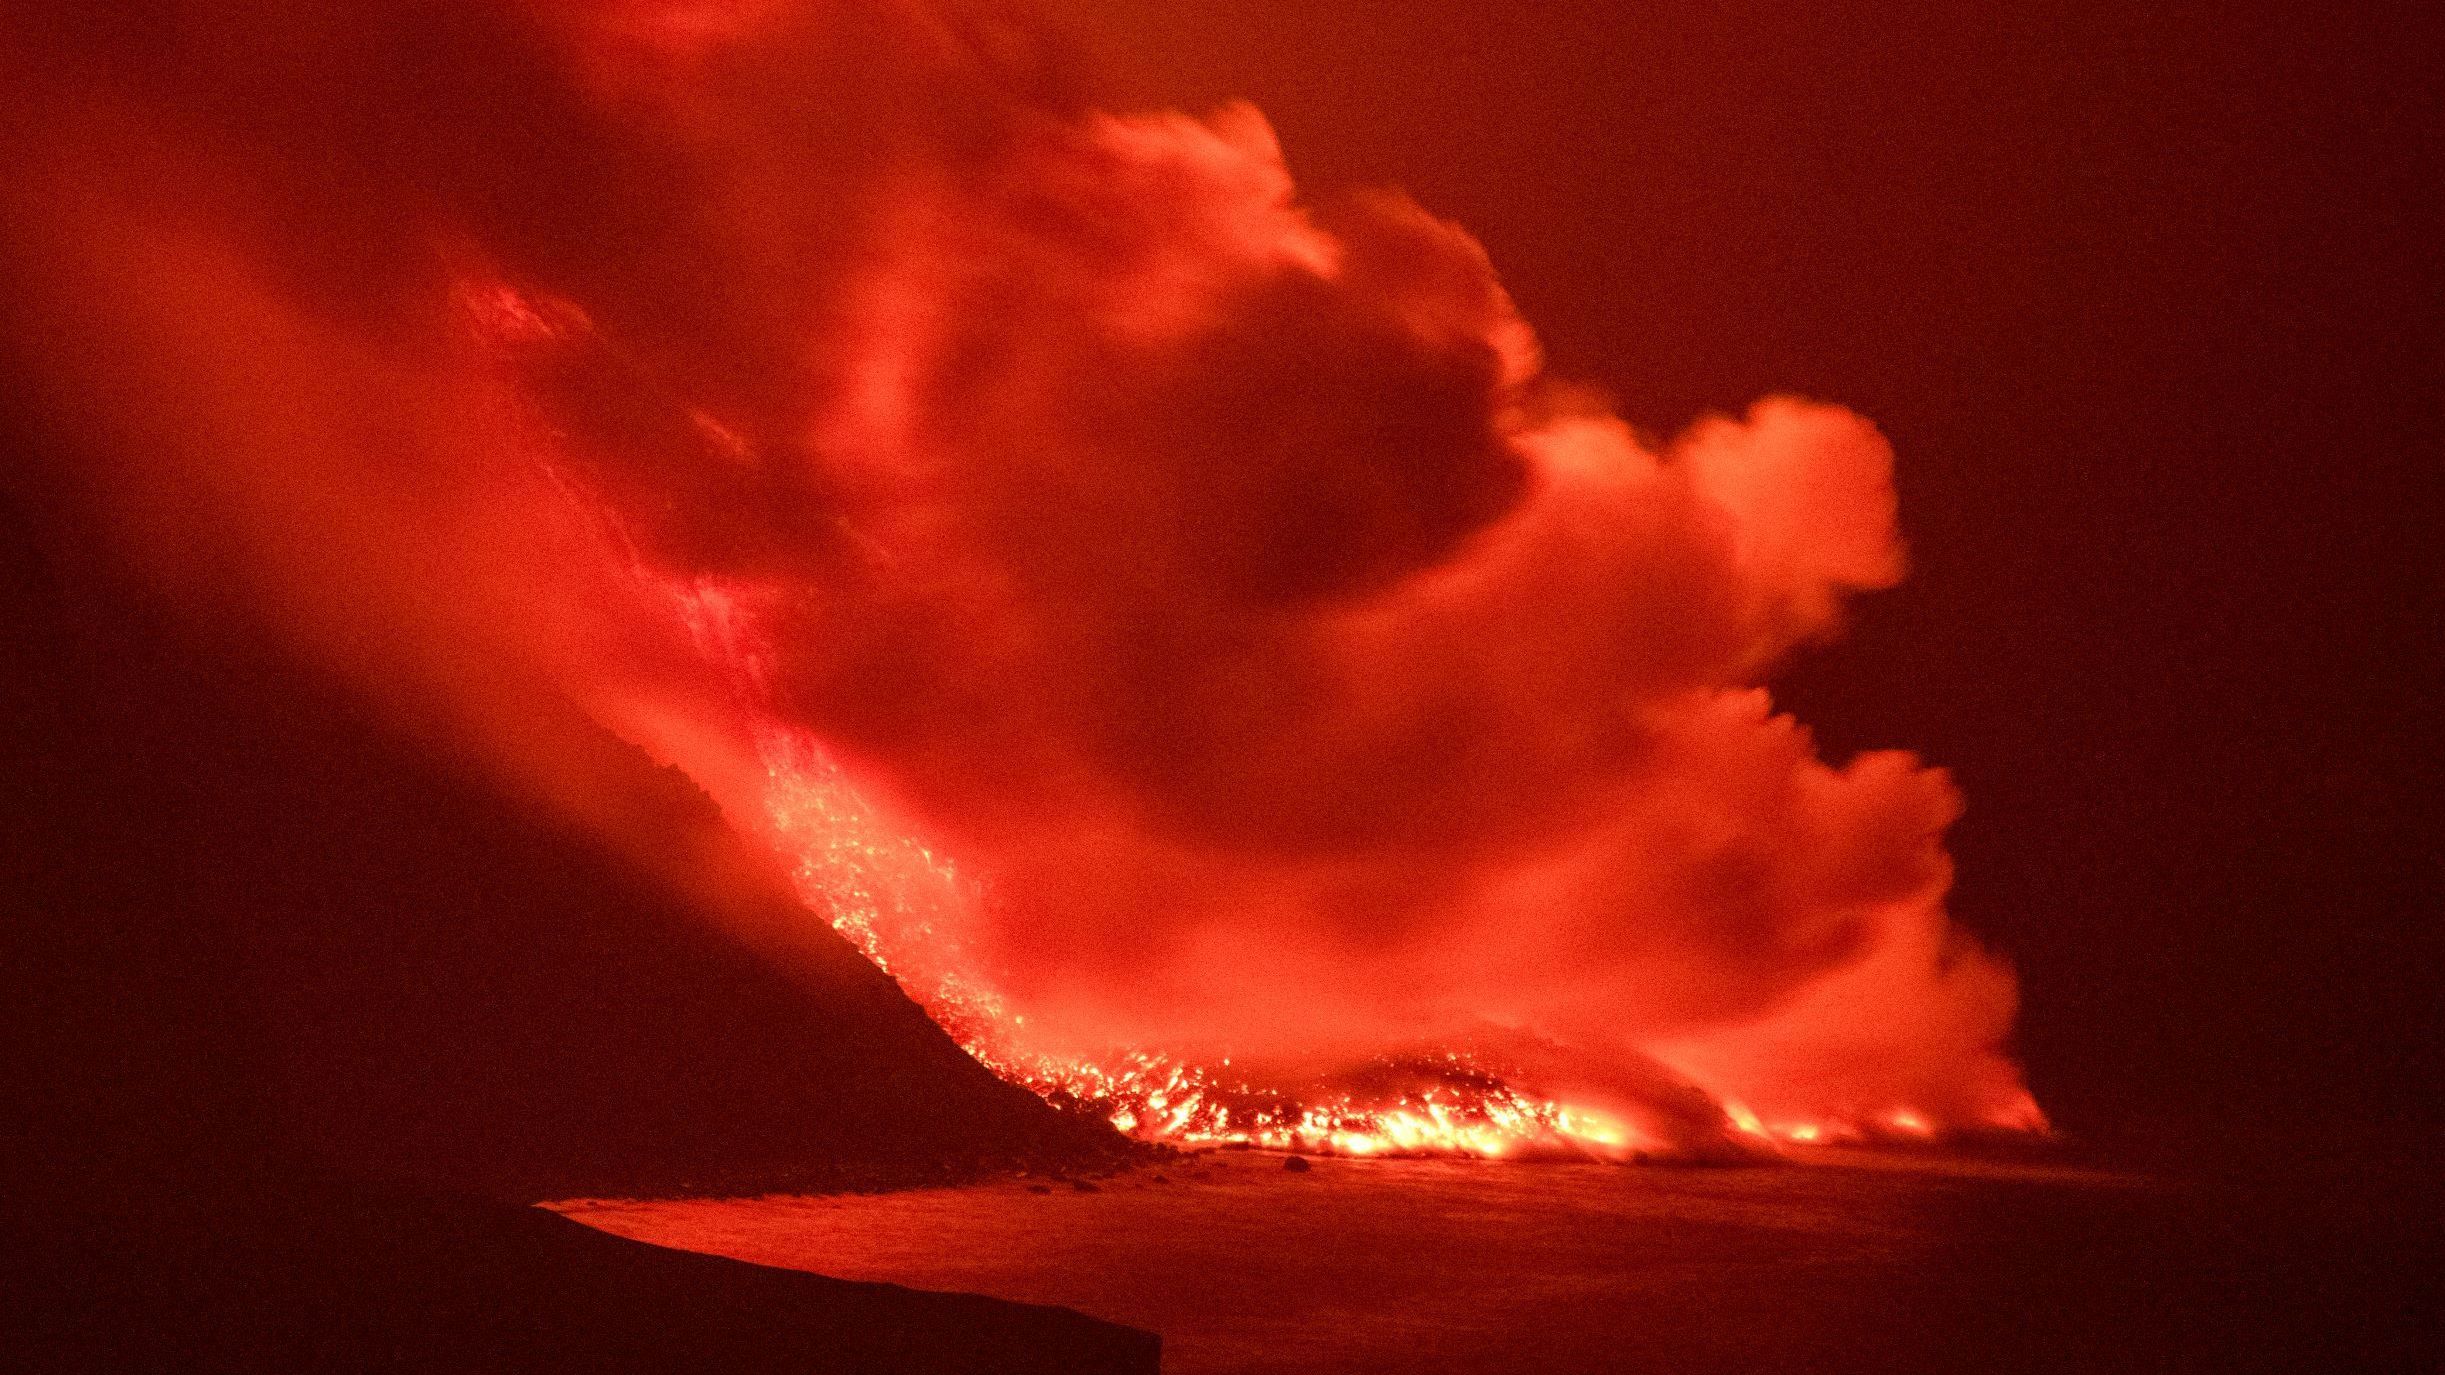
[1181, 630]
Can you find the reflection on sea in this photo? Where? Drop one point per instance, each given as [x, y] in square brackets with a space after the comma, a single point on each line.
[1861, 1263]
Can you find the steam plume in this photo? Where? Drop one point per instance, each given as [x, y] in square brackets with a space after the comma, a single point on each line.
[1299, 673]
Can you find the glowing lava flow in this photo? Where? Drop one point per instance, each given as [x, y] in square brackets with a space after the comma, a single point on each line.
[902, 905]
[907, 908]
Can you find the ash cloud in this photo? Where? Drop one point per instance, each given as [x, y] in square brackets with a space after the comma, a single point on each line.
[1218, 577]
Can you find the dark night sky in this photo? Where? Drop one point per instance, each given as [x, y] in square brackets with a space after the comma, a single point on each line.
[2147, 298]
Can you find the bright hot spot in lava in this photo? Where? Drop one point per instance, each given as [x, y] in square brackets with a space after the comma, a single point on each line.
[903, 904]
[900, 902]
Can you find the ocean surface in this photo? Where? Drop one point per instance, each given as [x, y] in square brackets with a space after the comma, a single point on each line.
[1850, 1262]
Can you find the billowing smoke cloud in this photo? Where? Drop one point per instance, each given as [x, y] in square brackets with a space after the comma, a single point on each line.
[1301, 672]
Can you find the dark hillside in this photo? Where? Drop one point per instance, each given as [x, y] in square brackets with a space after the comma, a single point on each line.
[266, 952]
[255, 917]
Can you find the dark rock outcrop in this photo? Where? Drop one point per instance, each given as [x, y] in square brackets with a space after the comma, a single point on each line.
[285, 980]
[301, 1274]
[255, 916]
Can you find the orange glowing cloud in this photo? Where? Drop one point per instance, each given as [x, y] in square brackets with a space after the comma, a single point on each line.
[1168, 621]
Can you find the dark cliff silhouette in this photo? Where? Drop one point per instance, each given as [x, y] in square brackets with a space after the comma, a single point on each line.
[301, 1009]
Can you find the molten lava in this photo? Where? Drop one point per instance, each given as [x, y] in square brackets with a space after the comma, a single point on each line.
[904, 906]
